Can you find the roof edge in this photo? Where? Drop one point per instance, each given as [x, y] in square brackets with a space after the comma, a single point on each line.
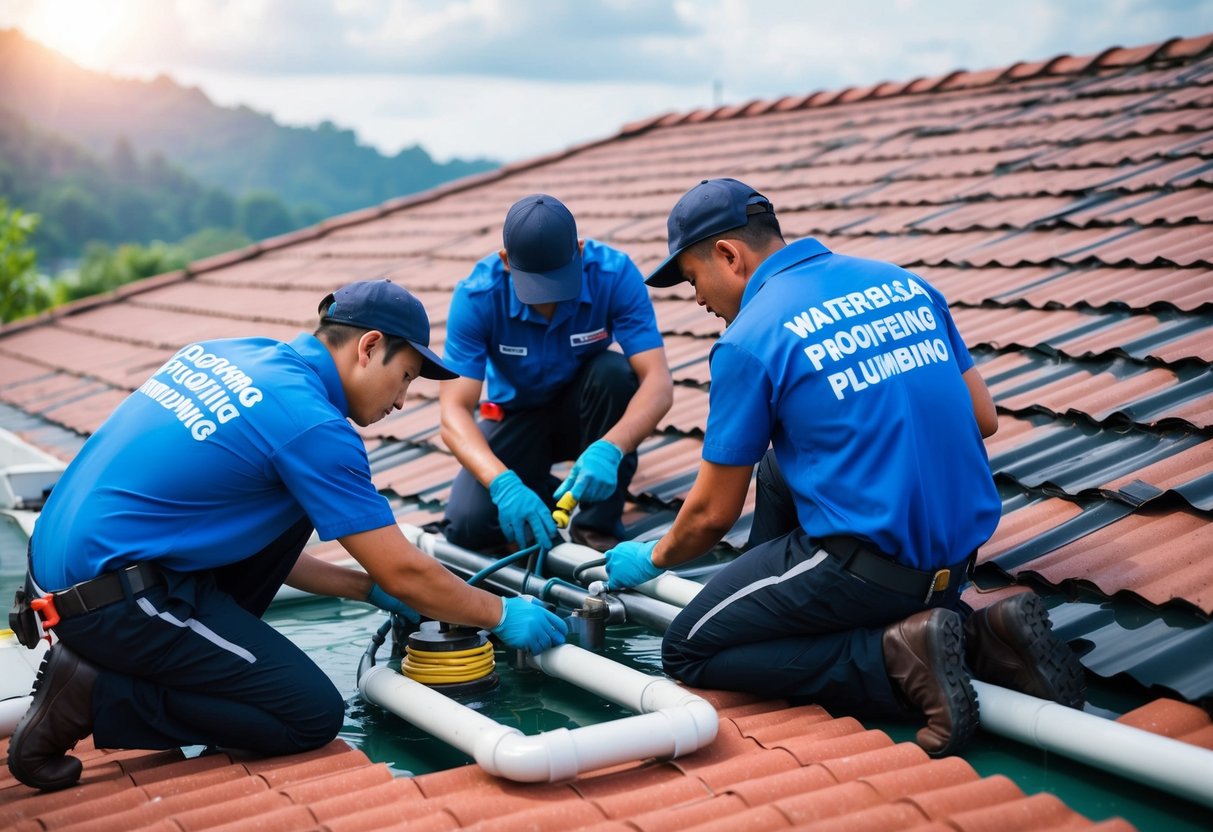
[1116, 57]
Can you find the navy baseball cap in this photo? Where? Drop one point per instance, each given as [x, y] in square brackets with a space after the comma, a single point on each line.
[540, 239]
[391, 309]
[710, 208]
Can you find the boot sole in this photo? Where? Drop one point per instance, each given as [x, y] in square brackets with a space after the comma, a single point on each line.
[1054, 671]
[947, 647]
[36, 712]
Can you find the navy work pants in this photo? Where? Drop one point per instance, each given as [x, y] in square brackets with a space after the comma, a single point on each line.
[529, 442]
[190, 662]
[785, 619]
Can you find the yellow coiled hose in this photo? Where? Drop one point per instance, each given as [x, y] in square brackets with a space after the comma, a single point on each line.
[432, 667]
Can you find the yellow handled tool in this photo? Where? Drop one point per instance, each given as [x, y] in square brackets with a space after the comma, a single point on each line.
[564, 507]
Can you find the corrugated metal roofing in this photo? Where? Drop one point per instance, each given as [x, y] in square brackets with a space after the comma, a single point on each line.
[1063, 207]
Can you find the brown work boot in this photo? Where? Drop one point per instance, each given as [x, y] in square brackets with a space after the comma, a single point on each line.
[594, 539]
[1011, 643]
[60, 715]
[922, 655]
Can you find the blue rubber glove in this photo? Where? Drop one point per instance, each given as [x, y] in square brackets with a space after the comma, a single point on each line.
[631, 563]
[390, 603]
[520, 508]
[594, 474]
[527, 626]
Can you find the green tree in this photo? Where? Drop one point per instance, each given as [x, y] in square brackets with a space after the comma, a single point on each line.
[20, 293]
[104, 269]
[210, 241]
[262, 215]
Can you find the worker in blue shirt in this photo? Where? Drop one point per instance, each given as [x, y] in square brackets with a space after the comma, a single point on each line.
[872, 499]
[170, 532]
[534, 322]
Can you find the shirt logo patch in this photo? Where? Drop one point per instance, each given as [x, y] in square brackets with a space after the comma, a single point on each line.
[580, 339]
[508, 350]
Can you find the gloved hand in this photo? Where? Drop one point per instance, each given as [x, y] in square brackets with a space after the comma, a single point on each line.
[528, 626]
[631, 563]
[520, 508]
[390, 603]
[594, 474]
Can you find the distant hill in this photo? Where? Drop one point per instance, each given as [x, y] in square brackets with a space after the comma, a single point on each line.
[117, 197]
[322, 169]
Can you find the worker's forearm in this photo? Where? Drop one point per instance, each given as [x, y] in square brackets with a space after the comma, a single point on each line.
[649, 404]
[467, 443]
[687, 540]
[428, 587]
[322, 578]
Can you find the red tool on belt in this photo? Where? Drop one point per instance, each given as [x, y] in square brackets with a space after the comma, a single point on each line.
[491, 411]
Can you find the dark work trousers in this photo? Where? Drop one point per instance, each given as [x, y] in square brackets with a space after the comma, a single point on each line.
[785, 619]
[529, 442]
[190, 662]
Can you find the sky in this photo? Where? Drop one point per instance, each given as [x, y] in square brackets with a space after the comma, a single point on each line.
[512, 79]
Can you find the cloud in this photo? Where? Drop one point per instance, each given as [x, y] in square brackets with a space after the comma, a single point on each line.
[542, 74]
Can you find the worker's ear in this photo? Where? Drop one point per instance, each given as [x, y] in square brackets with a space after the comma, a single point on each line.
[369, 344]
[729, 254]
[505, 259]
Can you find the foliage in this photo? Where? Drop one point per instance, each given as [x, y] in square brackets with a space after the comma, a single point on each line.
[104, 269]
[20, 292]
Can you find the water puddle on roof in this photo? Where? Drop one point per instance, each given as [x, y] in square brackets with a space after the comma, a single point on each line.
[335, 634]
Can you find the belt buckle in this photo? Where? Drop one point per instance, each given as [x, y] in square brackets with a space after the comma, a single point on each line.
[939, 582]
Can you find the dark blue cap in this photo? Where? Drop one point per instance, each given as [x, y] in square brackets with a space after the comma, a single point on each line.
[710, 208]
[540, 238]
[391, 309]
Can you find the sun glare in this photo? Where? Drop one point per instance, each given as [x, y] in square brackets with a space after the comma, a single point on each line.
[87, 31]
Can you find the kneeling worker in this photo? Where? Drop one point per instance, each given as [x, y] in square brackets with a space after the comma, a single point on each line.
[871, 502]
[170, 532]
[535, 321]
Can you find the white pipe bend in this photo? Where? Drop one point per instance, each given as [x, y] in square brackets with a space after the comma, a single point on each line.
[671, 721]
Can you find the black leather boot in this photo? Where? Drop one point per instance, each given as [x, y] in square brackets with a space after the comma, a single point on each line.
[60, 715]
[923, 657]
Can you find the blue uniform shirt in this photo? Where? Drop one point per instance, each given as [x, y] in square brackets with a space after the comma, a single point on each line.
[225, 447]
[492, 336]
[851, 369]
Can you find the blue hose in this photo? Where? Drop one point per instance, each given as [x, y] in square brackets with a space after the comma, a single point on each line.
[503, 562]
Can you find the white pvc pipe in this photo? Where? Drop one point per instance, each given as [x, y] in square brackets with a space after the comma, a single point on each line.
[11, 711]
[672, 721]
[667, 586]
[1173, 766]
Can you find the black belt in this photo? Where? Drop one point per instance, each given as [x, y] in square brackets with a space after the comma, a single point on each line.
[99, 592]
[864, 562]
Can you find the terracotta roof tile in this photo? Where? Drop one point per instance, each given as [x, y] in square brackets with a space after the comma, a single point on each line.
[934, 774]
[1040, 811]
[829, 802]
[1170, 718]
[876, 819]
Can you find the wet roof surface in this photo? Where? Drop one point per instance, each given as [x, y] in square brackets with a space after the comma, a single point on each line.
[1064, 207]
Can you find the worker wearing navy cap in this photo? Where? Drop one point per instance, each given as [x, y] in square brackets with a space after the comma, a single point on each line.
[872, 499]
[170, 532]
[534, 322]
